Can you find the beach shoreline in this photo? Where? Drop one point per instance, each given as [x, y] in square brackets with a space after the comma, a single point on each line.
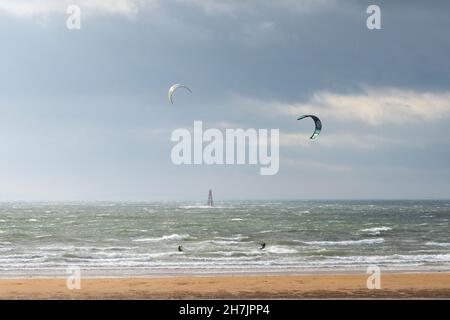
[128, 273]
[311, 286]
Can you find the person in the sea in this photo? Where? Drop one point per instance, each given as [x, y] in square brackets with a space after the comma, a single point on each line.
[180, 248]
[263, 245]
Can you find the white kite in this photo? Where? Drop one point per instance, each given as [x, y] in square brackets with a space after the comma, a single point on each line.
[174, 88]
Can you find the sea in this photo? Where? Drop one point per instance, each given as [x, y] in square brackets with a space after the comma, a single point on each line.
[143, 239]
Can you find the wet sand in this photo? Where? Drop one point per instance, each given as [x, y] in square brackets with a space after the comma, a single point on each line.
[419, 285]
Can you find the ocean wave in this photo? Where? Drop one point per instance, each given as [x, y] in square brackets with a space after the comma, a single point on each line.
[197, 207]
[64, 248]
[280, 250]
[231, 262]
[245, 255]
[173, 237]
[224, 242]
[265, 231]
[237, 237]
[237, 219]
[394, 259]
[345, 242]
[77, 256]
[438, 244]
[376, 230]
[208, 246]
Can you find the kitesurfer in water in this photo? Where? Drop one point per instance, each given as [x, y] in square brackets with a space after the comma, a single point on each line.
[263, 245]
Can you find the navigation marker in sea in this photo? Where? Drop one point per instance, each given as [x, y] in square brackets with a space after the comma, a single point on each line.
[210, 199]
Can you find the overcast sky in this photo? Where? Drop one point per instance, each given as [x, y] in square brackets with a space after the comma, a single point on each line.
[84, 114]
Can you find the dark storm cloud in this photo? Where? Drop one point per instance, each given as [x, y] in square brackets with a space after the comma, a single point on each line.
[90, 107]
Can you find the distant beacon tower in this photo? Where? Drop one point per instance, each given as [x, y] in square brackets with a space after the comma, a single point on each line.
[210, 199]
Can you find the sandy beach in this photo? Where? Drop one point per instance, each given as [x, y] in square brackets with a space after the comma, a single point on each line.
[420, 285]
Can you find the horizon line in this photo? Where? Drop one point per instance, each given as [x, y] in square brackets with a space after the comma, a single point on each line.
[224, 200]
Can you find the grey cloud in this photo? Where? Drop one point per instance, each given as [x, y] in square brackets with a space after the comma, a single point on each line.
[87, 111]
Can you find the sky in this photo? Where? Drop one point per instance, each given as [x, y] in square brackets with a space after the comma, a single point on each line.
[84, 114]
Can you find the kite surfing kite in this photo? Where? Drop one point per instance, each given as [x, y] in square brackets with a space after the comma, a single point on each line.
[317, 122]
[174, 88]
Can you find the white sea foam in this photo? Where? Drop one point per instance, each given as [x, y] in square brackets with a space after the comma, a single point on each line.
[239, 255]
[173, 237]
[280, 249]
[345, 242]
[376, 230]
[438, 244]
[154, 261]
[234, 237]
[225, 242]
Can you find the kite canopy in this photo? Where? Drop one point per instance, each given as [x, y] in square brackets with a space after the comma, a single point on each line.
[174, 88]
[317, 122]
